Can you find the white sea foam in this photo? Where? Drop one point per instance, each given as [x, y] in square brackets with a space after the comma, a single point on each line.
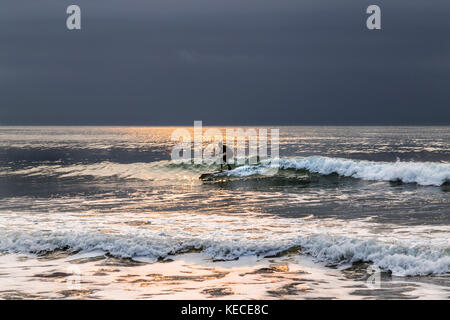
[228, 238]
[402, 258]
[422, 173]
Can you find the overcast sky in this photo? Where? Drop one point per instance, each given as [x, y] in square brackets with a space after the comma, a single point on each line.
[170, 62]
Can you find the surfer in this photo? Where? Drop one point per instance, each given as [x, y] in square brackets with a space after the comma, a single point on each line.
[227, 153]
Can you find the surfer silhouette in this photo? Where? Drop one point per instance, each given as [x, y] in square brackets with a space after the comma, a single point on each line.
[227, 153]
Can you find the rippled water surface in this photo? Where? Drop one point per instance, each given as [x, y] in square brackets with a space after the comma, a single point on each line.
[110, 202]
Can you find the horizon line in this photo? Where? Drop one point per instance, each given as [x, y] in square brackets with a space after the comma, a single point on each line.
[223, 125]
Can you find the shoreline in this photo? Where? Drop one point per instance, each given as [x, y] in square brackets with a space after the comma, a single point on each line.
[191, 276]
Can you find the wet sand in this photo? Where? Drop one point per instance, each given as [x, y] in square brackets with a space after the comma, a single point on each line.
[190, 276]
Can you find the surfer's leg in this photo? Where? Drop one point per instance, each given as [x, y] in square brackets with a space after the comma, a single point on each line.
[229, 167]
[224, 160]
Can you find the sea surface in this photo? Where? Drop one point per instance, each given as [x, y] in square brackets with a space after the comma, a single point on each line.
[103, 212]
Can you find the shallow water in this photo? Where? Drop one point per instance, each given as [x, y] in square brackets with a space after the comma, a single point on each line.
[343, 195]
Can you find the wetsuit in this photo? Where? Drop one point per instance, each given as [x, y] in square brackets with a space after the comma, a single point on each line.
[226, 154]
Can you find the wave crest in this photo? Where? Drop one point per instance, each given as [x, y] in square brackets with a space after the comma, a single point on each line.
[422, 173]
[403, 259]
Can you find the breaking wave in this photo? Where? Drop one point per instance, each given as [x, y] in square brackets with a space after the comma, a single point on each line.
[402, 258]
[421, 173]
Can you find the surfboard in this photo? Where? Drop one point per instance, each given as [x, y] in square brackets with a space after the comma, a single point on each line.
[210, 175]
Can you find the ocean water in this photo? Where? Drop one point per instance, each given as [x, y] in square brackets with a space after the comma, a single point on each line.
[108, 201]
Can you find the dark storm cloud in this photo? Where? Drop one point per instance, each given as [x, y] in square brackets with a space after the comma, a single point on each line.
[224, 62]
